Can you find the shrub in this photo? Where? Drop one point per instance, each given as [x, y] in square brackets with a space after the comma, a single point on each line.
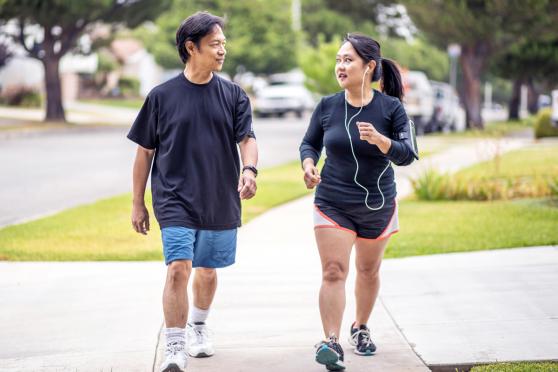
[543, 125]
[129, 87]
[430, 185]
[553, 186]
[22, 97]
[435, 186]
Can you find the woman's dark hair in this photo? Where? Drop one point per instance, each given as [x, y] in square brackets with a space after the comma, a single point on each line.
[193, 29]
[386, 70]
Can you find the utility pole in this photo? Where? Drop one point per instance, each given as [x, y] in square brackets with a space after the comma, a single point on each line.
[454, 51]
[295, 12]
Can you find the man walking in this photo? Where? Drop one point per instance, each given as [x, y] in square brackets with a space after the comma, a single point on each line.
[189, 129]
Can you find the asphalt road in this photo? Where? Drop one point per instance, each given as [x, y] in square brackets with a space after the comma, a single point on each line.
[41, 174]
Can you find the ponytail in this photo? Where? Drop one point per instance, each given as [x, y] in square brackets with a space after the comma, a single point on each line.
[391, 83]
[386, 70]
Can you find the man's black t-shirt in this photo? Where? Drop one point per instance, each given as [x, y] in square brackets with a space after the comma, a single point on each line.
[194, 129]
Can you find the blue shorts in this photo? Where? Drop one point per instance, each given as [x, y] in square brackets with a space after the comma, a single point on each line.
[205, 248]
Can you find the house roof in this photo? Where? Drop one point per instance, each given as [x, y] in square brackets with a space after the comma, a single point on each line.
[124, 48]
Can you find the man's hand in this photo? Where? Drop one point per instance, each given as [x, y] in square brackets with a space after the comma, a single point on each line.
[311, 174]
[140, 218]
[247, 185]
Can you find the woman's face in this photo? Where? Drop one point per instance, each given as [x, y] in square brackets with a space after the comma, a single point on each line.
[350, 68]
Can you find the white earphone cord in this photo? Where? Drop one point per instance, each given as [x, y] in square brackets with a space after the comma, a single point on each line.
[347, 123]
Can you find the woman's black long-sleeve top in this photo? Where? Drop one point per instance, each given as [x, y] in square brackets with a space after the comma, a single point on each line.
[327, 129]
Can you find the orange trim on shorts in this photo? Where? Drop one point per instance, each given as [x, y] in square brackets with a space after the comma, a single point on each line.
[390, 222]
[334, 227]
[380, 237]
[326, 217]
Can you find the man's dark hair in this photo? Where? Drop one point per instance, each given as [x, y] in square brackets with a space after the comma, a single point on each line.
[193, 29]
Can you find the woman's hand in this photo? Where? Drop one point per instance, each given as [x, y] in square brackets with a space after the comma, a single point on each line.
[311, 174]
[369, 134]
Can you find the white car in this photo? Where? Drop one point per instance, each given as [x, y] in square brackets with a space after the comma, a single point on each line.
[281, 99]
[418, 100]
[447, 111]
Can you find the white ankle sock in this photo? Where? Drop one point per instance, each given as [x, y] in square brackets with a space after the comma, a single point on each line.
[175, 335]
[198, 315]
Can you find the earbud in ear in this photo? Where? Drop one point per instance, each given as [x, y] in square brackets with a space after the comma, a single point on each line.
[367, 68]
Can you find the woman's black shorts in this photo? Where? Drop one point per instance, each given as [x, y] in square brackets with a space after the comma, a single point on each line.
[360, 220]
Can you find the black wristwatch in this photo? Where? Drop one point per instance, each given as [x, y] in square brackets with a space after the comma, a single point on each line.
[250, 168]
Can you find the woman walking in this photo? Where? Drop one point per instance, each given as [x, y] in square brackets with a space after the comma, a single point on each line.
[364, 131]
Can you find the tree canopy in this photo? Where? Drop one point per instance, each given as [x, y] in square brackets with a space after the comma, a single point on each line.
[259, 34]
[481, 28]
[60, 23]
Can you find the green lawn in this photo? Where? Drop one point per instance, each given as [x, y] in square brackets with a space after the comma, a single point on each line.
[518, 367]
[21, 125]
[492, 129]
[115, 102]
[536, 160]
[450, 226]
[443, 227]
[102, 230]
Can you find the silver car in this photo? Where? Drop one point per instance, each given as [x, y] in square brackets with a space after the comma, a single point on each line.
[281, 99]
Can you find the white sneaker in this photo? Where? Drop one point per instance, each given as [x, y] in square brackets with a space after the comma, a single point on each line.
[199, 342]
[175, 358]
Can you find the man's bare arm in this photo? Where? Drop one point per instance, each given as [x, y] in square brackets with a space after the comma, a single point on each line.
[142, 166]
[249, 155]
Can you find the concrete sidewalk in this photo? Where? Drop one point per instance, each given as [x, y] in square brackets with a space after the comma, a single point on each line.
[476, 307]
[451, 309]
[266, 315]
[79, 316]
[440, 310]
[77, 113]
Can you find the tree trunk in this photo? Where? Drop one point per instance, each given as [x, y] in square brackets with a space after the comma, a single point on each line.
[513, 106]
[51, 62]
[54, 107]
[472, 61]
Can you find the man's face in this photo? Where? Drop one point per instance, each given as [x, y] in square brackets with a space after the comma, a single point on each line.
[211, 53]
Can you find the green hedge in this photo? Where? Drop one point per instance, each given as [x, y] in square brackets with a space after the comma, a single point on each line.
[23, 98]
[129, 86]
[543, 125]
[433, 185]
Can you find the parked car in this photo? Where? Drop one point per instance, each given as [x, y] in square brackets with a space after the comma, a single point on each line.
[281, 99]
[448, 113]
[419, 100]
[554, 115]
[544, 100]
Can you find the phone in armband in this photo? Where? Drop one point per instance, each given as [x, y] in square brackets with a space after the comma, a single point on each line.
[413, 135]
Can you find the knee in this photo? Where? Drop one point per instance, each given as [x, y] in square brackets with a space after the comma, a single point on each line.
[368, 273]
[178, 272]
[206, 275]
[334, 272]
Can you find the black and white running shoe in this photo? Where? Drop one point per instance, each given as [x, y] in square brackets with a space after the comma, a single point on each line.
[330, 354]
[360, 339]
